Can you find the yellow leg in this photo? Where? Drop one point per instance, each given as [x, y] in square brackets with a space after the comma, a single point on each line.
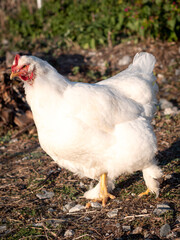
[144, 193]
[104, 195]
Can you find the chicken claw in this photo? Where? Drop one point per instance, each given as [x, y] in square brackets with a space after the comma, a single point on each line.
[144, 193]
[104, 195]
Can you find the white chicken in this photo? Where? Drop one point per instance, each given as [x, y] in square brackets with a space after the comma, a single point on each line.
[97, 130]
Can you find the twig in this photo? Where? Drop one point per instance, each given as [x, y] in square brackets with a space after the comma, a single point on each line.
[55, 173]
[136, 216]
[52, 233]
[23, 130]
[81, 236]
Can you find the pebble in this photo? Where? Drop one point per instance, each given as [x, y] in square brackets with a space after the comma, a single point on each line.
[126, 228]
[164, 104]
[167, 177]
[5, 42]
[76, 208]
[137, 230]
[86, 219]
[177, 72]
[124, 61]
[118, 225]
[172, 235]
[162, 78]
[113, 213]
[37, 224]
[96, 205]
[51, 210]
[14, 140]
[45, 195]
[69, 233]
[68, 206]
[165, 229]
[161, 209]
[171, 111]
[2, 148]
[144, 211]
[55, 222]
[3, 228]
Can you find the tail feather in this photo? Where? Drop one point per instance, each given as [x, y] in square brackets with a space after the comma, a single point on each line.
[151, 176]
[144, 62]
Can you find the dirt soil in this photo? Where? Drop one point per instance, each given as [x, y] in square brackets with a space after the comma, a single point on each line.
[26, 170]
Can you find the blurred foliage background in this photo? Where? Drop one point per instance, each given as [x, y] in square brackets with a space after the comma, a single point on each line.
[87, 23]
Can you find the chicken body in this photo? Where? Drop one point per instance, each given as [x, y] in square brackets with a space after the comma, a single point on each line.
[92, 129]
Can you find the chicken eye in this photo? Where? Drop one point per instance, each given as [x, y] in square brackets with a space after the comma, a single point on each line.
[23, 66]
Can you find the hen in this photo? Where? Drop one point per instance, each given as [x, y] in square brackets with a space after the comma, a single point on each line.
[97, 130]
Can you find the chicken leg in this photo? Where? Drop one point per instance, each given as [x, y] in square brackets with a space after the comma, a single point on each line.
[104, 195]
[144, 193]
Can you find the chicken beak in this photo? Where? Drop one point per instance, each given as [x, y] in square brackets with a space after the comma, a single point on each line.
[13, 75]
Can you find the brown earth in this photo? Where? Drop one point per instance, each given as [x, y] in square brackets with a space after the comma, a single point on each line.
[26, 170]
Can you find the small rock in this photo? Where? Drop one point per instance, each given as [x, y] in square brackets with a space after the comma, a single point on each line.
[172, 235]
[161, 209]
[76, 208]
[165, 229]
[5, 42]
[69, 233]
[177, 72]
[171, 111]
[45, 195]
[3, 228]
[68, 206]
[137, 230]
[167, 177]
[37, 224]
[90, 54]
[118, 225]
[124, 61]
[113, 213]
[161, 78]
[144, 211]
[153, 122]
[86, 219]
[96, 205]
[165, 104]
[126, 228]
[2, 148]
[14, 140]
[51, 210]
[55, 222]
[147, 235]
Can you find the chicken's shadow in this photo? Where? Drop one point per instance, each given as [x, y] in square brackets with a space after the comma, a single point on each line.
[164, 158]
[169, 154]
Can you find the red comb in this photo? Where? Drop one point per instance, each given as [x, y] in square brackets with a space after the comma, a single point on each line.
[16, 62]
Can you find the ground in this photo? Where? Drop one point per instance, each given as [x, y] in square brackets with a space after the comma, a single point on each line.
[26, 170]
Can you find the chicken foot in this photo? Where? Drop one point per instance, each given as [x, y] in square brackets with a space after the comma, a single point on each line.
[104, 195]
[144, 193]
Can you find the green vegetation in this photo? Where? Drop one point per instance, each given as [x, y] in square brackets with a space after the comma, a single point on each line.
[94, 23]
